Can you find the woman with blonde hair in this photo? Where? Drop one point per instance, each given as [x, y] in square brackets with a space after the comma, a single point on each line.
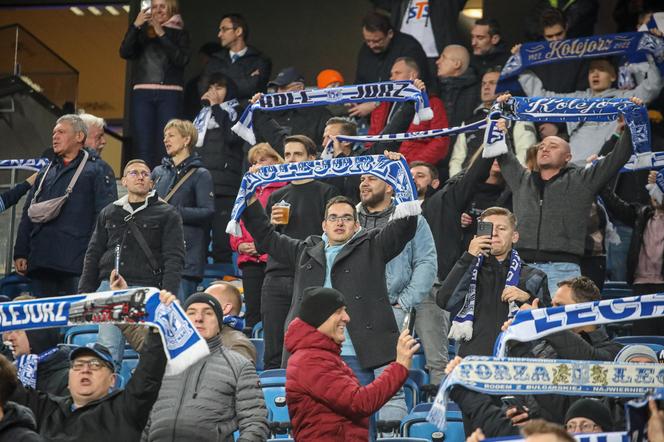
[183, 182]
[158, 47]
[250, 261]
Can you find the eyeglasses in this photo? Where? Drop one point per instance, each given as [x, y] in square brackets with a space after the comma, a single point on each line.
[584, 427]
[92, 364]
[344, 218]
[137, 173]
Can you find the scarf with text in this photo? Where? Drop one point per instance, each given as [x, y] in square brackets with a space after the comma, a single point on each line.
[29, 164]
[529, 325]
[27, 365]
[140, 306]
[395, 173]
[395, 91]
[462, 324]
[499, 376]
[632, 45]
[614, 436]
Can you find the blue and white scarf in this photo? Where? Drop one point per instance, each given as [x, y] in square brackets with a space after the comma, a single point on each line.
[205, 120]
[614, 436]
[529, 325]
[141, 306]
[630, 44]
[30, 164]
[234, 322]
[433, 133]
[498, 376]
[395, 173]
[637, 414]
[27, 365]
[656, 190]
[462, 324]
[562, 110]
[396, 91]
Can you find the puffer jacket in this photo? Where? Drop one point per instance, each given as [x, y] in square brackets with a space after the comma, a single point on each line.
[158, 60]
[209, 401]
[325, 400]
[410, 275]
[18, 424]
[552, 224]
[194, 201]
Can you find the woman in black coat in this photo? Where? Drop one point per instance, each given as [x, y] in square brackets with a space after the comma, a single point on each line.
[183, 171]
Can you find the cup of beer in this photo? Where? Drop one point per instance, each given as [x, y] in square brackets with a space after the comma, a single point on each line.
[283, 212]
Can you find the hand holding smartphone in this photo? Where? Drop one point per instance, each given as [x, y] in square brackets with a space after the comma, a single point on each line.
[409, 322]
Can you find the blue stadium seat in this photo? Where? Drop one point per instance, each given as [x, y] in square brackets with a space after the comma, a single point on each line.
[419, 360]
[275, 401]
[274, 377]
[412, 393]
[402, 439]
[257, 331]
[81, 334]
[614, 293]
[419, 376]
[260, 351]
[416, 425]
[128, 368]
[14, 285]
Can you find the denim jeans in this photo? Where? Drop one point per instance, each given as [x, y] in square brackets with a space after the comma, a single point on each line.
[187, 287]
[432, 324]
[556, 272]
[616, 256]
[151, 109]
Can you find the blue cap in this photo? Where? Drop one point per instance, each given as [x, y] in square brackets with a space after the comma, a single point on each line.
[101, 351]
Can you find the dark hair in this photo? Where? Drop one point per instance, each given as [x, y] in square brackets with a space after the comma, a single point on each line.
[375, 21]
[493, 69]
[307, 142]
[432, 169]
[492, 23]
[348, 126]
[583, 289]
[551, 17]
[220, 79]
[411, 63]
[8, 380]
[340, 199]
[238, 22]
[540, 426]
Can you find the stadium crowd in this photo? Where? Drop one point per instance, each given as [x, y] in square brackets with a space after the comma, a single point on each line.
[333, 283]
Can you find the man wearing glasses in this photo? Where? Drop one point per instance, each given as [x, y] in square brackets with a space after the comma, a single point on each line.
[349, 259]
[94, 410]
[140, 237]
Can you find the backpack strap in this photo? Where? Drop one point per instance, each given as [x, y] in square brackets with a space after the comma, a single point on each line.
[175, 188]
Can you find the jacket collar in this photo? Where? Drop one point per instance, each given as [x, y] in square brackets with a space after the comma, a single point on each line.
[301, 335]
[124, 203]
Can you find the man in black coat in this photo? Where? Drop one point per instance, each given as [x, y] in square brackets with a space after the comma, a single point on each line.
[245, 65]
[458, 84]
[51, 253]
[91, 412]
[17, 424]
[488, 47]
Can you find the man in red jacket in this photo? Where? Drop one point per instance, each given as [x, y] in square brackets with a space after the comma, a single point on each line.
[325, 400]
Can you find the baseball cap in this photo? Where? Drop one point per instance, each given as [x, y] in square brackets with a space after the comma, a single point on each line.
[92, 348]
[287, 76]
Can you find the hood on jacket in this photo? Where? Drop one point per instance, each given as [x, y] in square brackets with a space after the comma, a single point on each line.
[17, 416]
[302, 336]
[373, 220]
[193, 160]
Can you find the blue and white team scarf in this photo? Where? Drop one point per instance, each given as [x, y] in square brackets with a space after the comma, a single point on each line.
[395, 91]
[529, 325]
[418, 135]
[614, 436]
[140, 306]
[34, 164]
[395, 173]
[499, 376]
[637, 414]
[204, 120]
[632, 45]
[657, 190]
[556, 109]
[462, 324]
[234, 322]
[27, 365]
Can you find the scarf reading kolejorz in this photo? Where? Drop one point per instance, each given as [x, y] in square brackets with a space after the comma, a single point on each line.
[529, 325]
[633, 45]
[500, 376]
[395, 173]
[395, 91]
[140, 306]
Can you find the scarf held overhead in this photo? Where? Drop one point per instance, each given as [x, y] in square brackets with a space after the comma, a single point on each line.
[141, 306]
[395, 173]
[29, 164]
[529, 325]
[396, 91]
[499, 376]
[630, 44]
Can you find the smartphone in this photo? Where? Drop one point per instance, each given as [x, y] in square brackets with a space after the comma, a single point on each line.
[484, 228]
[513, 402]
[409, 322]
[146, 4]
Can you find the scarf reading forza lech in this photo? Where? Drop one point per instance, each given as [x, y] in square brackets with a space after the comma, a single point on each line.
[498, 376]
[462, 324]
[395, 173]
[140, 306]
[399, 91]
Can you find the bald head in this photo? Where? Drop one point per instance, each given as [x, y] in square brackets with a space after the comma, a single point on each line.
[453, 62]
[228, 296]
[553, 153]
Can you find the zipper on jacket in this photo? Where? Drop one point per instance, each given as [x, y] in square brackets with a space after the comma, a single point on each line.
[539, 223]
[198, 380]
[177, 411]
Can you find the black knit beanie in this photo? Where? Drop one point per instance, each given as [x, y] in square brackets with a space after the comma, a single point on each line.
[204, 298]
[319, 304]
[591, 409]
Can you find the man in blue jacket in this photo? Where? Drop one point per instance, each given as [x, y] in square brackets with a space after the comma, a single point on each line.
[51, 253]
